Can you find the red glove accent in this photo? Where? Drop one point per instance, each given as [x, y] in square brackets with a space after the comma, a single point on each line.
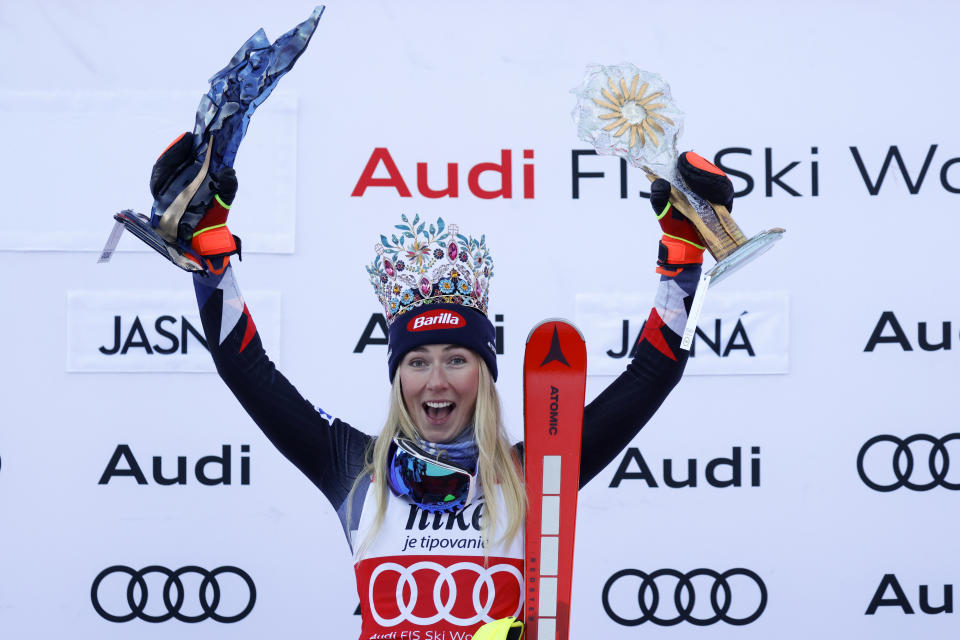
[681, 245]
[210, 238]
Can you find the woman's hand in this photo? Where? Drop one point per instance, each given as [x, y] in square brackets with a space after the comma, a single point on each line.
[681, 246]
[203, 224]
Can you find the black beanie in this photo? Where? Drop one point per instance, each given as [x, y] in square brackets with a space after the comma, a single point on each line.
[442, 323]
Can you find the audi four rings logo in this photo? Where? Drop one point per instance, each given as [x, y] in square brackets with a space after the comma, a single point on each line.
[905, 452]
[456, 574]
[207, 598]
[647, 599]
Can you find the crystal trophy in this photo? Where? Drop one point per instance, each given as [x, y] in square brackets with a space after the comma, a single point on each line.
[627, 112]
[221, 122]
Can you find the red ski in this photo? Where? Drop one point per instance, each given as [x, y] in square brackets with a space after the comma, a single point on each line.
[554, 381]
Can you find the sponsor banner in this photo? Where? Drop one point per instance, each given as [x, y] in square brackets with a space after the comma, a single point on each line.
[143, 121]
[436, 320]
[136, 331]
[895, 597]
[740, 469]
[227, 467]
[700, 597]
[893, 333]
[122, 594]
[918, 462]
[447, 613]
[738, 333]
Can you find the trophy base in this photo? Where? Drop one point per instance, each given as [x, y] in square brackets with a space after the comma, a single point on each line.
[716, 227]
[139, 225]
[744, 254]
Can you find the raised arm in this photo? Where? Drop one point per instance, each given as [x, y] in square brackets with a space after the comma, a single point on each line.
[330, 452]
[615, 417]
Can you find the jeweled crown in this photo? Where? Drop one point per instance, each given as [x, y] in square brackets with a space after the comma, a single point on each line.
[422, 265]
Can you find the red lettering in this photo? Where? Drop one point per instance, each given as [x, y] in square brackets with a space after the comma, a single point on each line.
[381, 154]
[528, 174]
[381, 161]
[424, 188]
[505, 169]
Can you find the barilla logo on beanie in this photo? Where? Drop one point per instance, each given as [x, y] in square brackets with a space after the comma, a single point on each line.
[436, 319]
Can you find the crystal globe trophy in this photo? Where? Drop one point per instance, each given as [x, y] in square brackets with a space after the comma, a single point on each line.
[628, 112]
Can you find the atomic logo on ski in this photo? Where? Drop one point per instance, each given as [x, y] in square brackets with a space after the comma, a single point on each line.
[556, 352]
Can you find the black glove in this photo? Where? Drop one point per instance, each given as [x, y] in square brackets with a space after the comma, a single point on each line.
[681, 246]
[202, 225]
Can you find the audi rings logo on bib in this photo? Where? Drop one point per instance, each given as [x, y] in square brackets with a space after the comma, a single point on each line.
[157, 594]
[426, 592]
[920, 462]
[667, 597]
[436, 319]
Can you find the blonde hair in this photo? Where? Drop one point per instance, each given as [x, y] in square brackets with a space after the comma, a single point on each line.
[497, 463]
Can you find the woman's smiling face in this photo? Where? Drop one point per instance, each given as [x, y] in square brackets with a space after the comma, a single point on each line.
[439, 383]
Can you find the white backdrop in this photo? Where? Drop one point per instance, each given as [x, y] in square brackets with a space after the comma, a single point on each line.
[93, 91]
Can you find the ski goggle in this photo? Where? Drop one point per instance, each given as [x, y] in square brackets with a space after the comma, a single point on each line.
[433, 484]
